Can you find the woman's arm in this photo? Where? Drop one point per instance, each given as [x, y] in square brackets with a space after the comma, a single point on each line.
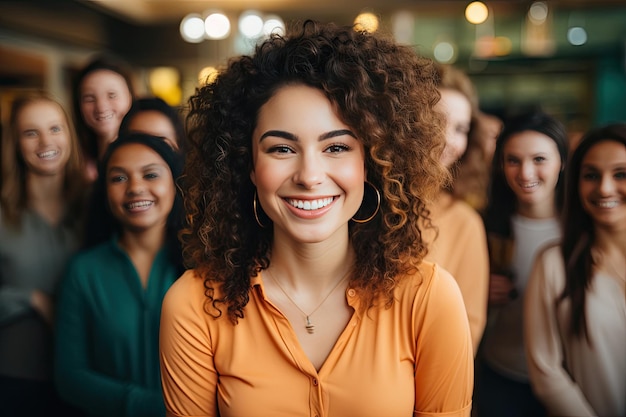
[444, 368]
[544, 351]
[188, 371]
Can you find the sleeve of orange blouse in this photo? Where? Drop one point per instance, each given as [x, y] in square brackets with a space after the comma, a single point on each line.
[188, 374]
[444, 365]
[474, 285]
[544, 352]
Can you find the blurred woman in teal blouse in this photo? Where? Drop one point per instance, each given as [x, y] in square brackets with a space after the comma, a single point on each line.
[106, 358]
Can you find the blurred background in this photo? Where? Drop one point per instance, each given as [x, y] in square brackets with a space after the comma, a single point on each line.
[565, 56]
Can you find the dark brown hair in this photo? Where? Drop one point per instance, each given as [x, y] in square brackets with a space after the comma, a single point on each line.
[578, 228]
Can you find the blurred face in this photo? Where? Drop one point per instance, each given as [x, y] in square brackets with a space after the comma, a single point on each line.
[154, 123]
[602, 184]
[104, 101]
[140, 187]
[44, 138]
[309, 167]
[458, 112]
[532, 164]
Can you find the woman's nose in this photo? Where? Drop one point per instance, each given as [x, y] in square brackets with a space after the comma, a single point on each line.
[309, 172]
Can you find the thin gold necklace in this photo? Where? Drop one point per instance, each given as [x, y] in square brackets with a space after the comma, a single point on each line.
[310, 327]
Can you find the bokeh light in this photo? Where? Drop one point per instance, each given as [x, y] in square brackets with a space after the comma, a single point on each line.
[217, 26]
[476, 12]
[367, 22]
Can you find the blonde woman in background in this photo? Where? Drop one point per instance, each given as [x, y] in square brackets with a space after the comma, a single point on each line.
[40, 206]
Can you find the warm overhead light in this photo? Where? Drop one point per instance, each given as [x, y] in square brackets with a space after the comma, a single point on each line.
[367, 22]
[192, 28]
[273, 24]
[165, 83]
[250, 24]
[538, 12]
[217, 26]
[476, 12]
[207, 75]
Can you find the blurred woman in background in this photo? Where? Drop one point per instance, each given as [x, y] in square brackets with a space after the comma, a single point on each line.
[575, 309]
[41, 205]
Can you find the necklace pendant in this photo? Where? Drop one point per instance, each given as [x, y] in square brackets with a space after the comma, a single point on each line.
[309, 326]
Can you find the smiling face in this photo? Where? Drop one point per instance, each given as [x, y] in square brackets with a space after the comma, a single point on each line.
[104, 101]
[44, 138]
[458, 112]
[140, 187]
[532, 164]
[154, 123]
[602, 184]
[309, 167]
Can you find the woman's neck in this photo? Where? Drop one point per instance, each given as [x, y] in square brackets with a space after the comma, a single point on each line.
[312, 266]
[103, 143]
[537, 211]
[611, 239]
[45, 196]
[150, 240]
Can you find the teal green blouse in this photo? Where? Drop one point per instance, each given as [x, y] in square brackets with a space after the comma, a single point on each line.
[107, 343]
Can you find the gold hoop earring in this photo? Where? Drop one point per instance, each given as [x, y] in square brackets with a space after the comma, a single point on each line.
[362, 204]
[256, 216]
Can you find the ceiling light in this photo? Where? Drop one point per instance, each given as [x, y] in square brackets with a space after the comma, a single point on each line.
[192, 28]
[250, 24]
[217, 26]
[476, 12]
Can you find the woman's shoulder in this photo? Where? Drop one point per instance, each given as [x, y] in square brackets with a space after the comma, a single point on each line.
[461, 213]
[427, 279]
[550, 255]
[100, 253]
[189, 286]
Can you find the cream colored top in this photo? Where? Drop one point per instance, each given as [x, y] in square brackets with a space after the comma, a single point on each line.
[570, 376]
[461, 249]
[412, 359]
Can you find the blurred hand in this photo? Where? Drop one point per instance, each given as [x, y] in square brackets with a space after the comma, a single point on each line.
[42, 303]
[501, 290]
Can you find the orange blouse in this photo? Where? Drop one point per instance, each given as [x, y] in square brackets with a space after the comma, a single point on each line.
[412, 359]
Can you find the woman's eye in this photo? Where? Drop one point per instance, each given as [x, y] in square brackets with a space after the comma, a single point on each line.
[280, 149]
[511, 161]
[117, 178]
[151, 175]
[112, 95]
[336, 148]
[620, 175]
[30, 133]
[590, 176]
[55, 129]
[540, 159]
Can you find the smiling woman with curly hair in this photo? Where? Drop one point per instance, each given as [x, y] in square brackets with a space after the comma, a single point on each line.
[311, 166]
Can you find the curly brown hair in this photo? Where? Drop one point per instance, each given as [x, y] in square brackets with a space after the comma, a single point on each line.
[384, 91]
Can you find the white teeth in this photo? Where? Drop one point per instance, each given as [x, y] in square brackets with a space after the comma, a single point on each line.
[138, 204]
[531, 185]
[607, 204]
[311, 204]
[48, 154]
[105, 117]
